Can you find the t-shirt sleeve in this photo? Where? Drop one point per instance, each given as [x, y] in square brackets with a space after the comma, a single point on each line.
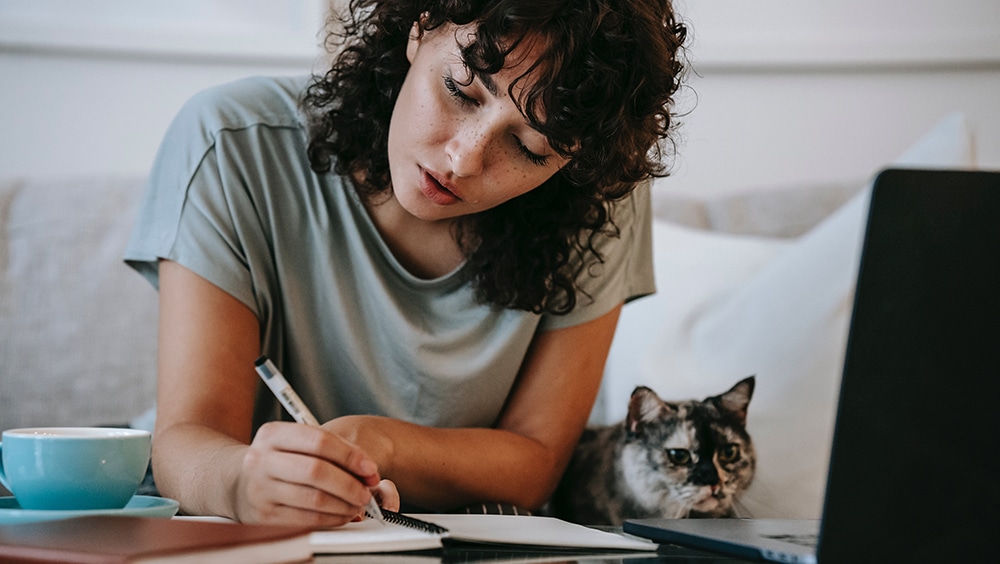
[625, 272]
[199, 207]
[187, 142]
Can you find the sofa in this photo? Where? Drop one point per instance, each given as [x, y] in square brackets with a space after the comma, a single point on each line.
[759, 282]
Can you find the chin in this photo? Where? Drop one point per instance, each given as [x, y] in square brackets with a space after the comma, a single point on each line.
[709, 506]
[421, 208]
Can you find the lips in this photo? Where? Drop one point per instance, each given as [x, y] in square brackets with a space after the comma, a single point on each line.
[435, 191]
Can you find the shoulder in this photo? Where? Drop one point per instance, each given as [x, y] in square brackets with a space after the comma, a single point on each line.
[272, 101]
[261, 105]
[635, 208]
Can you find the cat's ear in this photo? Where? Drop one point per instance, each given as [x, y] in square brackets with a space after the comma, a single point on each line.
[644, 406]
[737, 399]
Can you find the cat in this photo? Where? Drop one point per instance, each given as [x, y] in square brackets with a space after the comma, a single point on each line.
[666, 459]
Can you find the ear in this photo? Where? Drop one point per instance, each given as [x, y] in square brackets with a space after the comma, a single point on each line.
[737, 398]
[416, 34]
[644, 406]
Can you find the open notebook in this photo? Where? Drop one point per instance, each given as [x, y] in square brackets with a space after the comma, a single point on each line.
[431, 531]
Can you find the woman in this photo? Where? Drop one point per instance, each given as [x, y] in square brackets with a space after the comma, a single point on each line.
[432, 242]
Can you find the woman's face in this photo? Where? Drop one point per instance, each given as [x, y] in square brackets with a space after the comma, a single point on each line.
[456, 146]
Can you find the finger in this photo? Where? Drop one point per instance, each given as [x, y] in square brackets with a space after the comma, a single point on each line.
[275, 498]
[299, 497]
[288, 515]
[319, 475]
[387, 495]
[294, 437]
[264, 466]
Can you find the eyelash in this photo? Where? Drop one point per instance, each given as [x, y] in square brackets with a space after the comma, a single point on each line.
[456, 92]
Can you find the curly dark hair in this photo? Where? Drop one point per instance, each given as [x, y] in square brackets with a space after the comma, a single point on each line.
[602, 95]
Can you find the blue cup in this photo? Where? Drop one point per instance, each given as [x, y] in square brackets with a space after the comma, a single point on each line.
[72, 468]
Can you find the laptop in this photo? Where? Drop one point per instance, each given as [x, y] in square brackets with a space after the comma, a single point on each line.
[914, 471]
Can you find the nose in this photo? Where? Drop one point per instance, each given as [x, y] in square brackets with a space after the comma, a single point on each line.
[704, 473]
[466, 149]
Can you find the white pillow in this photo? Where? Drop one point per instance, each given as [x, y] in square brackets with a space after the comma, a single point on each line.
[694, 269]
[730, 306]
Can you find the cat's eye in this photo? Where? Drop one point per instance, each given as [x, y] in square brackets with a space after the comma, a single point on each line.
[679, 456]
[729, 453]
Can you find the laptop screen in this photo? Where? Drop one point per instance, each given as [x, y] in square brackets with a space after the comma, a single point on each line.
[913, 472]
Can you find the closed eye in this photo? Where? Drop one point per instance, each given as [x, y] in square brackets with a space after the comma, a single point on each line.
[466, 100]
[535, 158]
[454, 90]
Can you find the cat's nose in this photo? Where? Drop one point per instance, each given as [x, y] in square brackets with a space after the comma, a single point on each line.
[705, 474]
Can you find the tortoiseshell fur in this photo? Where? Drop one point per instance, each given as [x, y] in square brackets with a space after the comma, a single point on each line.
[666, 459]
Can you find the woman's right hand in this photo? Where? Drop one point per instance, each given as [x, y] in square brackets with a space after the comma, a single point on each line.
[294, 473]
[206, 455]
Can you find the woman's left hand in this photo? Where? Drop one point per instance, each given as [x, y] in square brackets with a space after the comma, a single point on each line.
[386, 495]
[369, 433]
[364, 432]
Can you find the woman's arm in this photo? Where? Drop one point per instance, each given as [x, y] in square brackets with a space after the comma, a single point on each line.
[206, 388]
[521, 460]
[294, 473]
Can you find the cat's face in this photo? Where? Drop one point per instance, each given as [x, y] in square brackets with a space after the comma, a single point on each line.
[690, 458]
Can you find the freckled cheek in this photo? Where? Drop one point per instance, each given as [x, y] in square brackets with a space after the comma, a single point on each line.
[426, 120]
[511, 182]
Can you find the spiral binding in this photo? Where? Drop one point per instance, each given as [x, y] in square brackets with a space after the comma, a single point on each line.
[411, 522]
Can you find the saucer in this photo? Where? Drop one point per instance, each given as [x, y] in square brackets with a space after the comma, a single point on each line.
[138, 506]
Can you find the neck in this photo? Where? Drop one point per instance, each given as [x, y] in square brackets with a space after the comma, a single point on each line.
[427, 249]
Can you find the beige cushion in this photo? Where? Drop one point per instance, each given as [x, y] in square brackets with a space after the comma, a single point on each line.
[77, 326]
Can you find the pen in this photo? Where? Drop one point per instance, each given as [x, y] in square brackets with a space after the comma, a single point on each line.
[295, 406]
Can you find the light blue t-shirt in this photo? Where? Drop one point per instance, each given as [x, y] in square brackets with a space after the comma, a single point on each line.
[232, 197]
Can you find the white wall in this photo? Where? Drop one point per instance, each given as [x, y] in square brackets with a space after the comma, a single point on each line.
[90, 87]
[797, 92]
[64, 116]
[791, 129]
[789, 92]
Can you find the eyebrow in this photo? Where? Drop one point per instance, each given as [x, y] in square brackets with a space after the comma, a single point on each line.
[488, 82]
